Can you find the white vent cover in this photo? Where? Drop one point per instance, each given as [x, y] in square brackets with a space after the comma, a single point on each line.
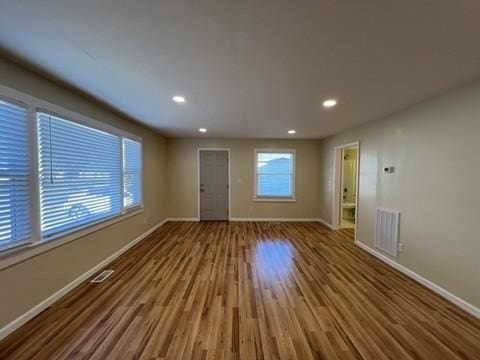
[102, 276]
[386, 231]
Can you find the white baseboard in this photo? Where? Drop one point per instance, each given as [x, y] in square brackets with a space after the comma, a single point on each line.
[327, 224]
[187, 219]
[432, 286]
[37, 309]
[235, 219]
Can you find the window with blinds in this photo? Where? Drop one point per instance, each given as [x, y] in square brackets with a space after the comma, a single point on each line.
[14, 175]
[274, 174]
[79, 175]
[132, 173]
[59, 175]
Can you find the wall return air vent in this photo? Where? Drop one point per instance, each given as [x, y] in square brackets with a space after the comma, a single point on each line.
[386, 232]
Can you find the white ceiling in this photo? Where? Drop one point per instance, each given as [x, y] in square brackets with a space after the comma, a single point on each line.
[249, 68]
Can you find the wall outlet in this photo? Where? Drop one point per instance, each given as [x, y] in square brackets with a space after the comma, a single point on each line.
[400, 247]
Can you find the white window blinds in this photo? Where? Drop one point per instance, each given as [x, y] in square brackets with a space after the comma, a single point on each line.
[14, 175]
[132, 173]
[80, 175]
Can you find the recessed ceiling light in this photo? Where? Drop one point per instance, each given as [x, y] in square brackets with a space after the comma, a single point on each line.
[202, 130]
[291, 131]
[179, 99]
[329, 103]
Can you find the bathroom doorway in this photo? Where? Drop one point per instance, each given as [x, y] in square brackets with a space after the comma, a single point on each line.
[348, 203]
[345, 197]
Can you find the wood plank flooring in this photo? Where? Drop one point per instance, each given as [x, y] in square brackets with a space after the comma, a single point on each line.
[248, 291]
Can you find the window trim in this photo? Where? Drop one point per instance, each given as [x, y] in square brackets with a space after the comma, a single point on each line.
[286, 199]
[10, 255]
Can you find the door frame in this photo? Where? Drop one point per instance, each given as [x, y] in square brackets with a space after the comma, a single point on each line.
[198, 179]
[337, 185]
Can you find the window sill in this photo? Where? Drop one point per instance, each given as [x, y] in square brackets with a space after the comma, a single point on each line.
[23, 252]
[275, 200]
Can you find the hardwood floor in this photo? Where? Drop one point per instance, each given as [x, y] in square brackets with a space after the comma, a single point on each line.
[248, 291]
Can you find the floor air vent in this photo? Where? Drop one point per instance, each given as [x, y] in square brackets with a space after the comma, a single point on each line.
[102, 276]
[386, 232]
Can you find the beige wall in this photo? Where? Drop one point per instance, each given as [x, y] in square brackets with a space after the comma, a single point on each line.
[26, 284]
[182, 178]
[434, 147]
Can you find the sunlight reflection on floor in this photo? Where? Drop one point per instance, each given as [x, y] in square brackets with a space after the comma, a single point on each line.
[273, 260]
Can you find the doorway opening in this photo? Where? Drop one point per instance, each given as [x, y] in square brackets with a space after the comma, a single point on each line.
[349, 188]
[346, 178]
[213, 184]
